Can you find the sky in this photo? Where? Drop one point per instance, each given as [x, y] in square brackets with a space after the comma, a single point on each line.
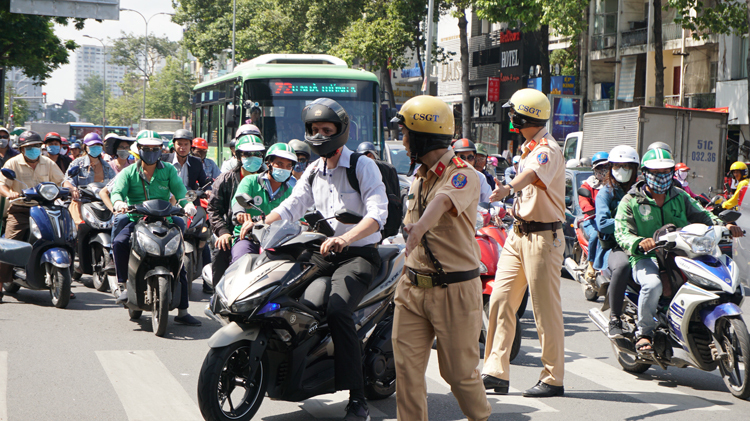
[61, 85]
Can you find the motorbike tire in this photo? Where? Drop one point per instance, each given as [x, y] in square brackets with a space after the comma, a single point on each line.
[11, 287]
[134, 314]
[629, 364]
[590, 293]
[160, 309]
[100, 278]
[516, 347]
[735, 341]
[60, 290]
[218, 368]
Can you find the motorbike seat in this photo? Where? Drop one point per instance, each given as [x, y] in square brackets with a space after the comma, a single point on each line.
[387, 253]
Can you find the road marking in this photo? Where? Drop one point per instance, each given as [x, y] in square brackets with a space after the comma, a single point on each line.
[512, 403]
[3, 385]
[146, 388]
[628, 384]
[334, 406]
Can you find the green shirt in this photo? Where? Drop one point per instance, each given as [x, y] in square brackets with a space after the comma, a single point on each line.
[129, 186]
[252, 186]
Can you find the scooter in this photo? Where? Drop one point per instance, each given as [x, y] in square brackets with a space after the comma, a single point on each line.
[94, 236]
[52, 234]
[196, 235]
[592, 289]
[275, 341]
[156, 254]
[702, 325]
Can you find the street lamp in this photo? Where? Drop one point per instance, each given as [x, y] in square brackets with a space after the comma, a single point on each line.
[105, 87]
[145, 50]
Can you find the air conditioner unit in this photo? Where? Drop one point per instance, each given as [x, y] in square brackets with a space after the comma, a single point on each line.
[609, 41]
[597, 91]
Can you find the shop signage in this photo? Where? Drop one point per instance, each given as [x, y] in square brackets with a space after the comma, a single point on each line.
[486, 109]
[509, 59]
[566, 116]
[493, 89]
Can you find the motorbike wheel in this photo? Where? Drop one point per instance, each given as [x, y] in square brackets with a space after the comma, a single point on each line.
[11, 287]
[60, 289]
[735, 368]
[100, 277]
[160, 310]
[134, 314]
[590, 293]
[224, 390]
[516, 347]
[628, 362]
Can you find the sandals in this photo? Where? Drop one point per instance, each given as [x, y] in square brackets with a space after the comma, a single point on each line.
[644, 345]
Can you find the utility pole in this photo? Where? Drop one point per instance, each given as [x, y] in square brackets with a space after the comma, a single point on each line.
[234, 23]
[428, 53]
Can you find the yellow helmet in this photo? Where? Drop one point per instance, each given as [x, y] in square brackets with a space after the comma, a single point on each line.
[428, 115]
[738, 166]
[529, 106]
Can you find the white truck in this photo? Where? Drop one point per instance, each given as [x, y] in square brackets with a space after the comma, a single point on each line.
[164, 126]
[697, 138]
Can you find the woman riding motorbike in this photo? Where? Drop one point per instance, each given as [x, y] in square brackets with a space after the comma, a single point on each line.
[588, 207]
[739, 172]
[680, 175]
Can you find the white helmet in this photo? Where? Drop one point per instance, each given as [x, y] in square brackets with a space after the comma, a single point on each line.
[572, 163]
[622, 154]
[516, 159]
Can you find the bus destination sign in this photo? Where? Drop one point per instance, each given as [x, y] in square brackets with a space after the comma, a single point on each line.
[282, 88]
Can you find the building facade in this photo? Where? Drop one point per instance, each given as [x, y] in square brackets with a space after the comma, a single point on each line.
[25, 87]
[89, 61]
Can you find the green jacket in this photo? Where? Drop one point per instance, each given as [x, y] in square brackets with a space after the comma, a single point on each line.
[129, 186]
[638, 217]
[252, 185]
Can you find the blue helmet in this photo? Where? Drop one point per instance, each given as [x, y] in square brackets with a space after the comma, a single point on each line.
[365, 147]
[599, 158]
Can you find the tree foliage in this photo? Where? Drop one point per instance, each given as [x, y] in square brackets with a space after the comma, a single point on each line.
[128, 51]
[126, 109]
[21, 111]
[170, 90]
[706, 17]
[90, 100]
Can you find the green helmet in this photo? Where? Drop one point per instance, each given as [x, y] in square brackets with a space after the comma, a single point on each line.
[282, 150]
[148, 138]
[657, 159]
[481, 150]
[249, 143]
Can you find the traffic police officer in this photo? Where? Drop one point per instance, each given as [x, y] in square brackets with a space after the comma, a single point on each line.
[440, 293]
[533, 252]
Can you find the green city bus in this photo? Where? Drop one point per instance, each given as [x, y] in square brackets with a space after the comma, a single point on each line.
[281, 85]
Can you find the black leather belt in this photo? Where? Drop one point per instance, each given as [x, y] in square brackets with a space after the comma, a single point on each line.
[523, 227]
[429, 280]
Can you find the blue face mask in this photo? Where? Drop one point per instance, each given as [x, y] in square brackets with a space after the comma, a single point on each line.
[300, 167]
[281, 175]
[252, 164]
[95, 151]
[53, 149]
[32, 153]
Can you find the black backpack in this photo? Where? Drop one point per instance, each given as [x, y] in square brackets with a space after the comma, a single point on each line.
[392, 190]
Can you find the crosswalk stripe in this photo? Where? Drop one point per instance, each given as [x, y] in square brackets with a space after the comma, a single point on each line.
[513, 402]
[333, 406]
[146, 388]
[3, 385]
[620, 381]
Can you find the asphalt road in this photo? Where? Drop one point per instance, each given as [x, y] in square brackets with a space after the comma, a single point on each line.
[91, 362]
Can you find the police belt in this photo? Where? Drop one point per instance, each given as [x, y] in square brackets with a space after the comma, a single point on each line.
[524, 227]
[429, 280]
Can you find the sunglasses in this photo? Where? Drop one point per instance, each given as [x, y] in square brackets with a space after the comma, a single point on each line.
[246, 154]
[467, 157]
[151, 149]
[4, 137]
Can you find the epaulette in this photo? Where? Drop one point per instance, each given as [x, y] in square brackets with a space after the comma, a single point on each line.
[543, 141]
[459, 162]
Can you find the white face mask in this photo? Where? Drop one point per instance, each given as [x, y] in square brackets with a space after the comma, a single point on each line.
[682, 175]
[622, 175]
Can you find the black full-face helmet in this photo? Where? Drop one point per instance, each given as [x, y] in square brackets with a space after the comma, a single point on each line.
[326, 110]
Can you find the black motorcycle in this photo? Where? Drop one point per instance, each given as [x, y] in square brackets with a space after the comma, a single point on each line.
[196, 236]
[94, 236]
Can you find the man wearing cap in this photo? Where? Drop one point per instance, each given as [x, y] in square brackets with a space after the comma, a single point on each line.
[533, 252]
[75, 149]
[31, 168]
[200, 151]
[53, 142]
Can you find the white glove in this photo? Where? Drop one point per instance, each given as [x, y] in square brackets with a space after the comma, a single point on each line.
[190, 209]
[120, 206]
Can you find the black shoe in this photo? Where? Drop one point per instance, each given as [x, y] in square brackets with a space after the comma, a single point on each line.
[544, 390]
[1, 292]
[207, 288]
[357, 411]
[187, 320]
[72, 296]
[615, 328]
[500, 386]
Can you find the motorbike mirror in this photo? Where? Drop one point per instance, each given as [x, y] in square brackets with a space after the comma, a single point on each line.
[247, 202]
[191, 196]
[484, 205]
[8, 173]
[74, 171]
[347, 217]
[729, 216]
[584, 192]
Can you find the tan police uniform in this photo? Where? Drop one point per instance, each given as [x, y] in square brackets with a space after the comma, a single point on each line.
[453, 311]
[533, 256]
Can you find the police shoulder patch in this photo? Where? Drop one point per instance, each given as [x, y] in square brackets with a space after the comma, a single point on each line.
[459, 162]
[542, 158]
[459, 181]
[543, 141]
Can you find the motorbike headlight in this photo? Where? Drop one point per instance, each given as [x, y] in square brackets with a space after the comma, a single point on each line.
[34, 228]
[148, 245]
[700, 244]
[248, 304]
[172, 246]
[702, 282]
[49, 191]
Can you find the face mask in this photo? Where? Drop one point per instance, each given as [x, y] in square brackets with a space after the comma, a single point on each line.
[123, 154]
[32, 153]
[300, 167]
[53, 149]
[3, 143]
[64, 151]
[252, 164]
[622, 175]
[659, 183]
[600, 173]
[95, 150]
[150, 157]
[281, 175]
[682, 175]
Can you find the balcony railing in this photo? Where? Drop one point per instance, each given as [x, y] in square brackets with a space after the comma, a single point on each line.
[671, 31]
[702, 100]
[602, 42]
[633, 38]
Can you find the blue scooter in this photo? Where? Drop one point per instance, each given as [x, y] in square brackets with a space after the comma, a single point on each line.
[52, 235]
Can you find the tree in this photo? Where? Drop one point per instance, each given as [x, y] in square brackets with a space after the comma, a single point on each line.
[21, 111]
[128, 51]
[90, 99]
[126, 109]
[658, 56]
[170, 90]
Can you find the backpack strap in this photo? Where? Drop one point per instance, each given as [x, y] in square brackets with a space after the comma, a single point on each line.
[351, 172]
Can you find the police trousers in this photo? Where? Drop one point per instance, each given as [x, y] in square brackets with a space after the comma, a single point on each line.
[454, 316]
[532, 260]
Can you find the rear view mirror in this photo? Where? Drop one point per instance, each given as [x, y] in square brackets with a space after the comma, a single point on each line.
[244, 200]
[8, 173]
[347, 217]
[729, 216]
[74, 171]
[584, 192]
[484, 205]
[390, 114]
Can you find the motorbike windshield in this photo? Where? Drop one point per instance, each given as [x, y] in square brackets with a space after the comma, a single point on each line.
[279, 233]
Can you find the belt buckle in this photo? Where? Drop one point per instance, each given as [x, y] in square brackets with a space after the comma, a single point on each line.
[519, 229]
[423, 281]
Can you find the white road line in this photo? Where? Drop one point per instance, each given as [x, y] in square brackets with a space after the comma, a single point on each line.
[334, 406]
[629, 384]
[3, 385]
[511, 403]
[146, 388]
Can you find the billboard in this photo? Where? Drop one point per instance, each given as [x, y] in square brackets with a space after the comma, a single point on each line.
[566, 116]
[92, 9]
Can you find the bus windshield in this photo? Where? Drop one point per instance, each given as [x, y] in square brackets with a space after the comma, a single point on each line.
[281, 102]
